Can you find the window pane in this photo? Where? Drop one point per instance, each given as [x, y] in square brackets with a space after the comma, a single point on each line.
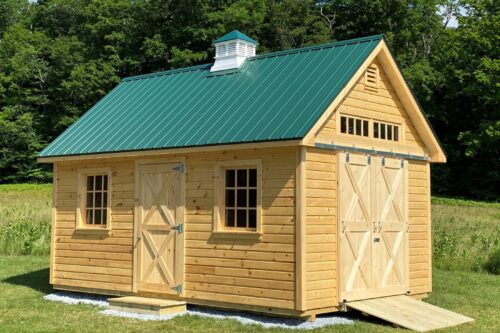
[365, 127]
[230, 178]
[98, 183]
[242, 177]
[230, 194]
[252, 198]
[90, 200]
[351, 125]
[90, 216]
[241, 218]
[242, 198]
[98, 200]
[229, 217]
[396, 133]
[252, 177]
[375, 130]
[90, 183]
[104, 216]
[105, 199]
[358, 126]
[389, 132]
[382, 131]
[343, 124]
[252, 218]
[97, 218]
[105, 183]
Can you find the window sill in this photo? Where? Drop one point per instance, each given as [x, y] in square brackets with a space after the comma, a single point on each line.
[92, 230]
[230, 234]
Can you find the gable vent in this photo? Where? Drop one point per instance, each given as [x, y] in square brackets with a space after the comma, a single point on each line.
[231, 51]
[372, 78]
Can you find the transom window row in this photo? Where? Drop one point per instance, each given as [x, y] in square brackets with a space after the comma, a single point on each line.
[360, 127]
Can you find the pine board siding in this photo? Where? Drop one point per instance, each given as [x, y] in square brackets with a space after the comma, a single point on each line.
[321, 229]
[250, 272]
[244, 271]
[382, 104]
[420, 224]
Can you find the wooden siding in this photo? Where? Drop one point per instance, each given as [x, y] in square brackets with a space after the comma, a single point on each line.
[231, 270]
[382, 104]
[321, 229]
[420, 225]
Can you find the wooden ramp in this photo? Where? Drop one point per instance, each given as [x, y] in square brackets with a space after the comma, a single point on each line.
[410, 313]
[146, 305]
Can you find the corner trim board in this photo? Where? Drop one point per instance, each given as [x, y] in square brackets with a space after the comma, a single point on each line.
[300, 230]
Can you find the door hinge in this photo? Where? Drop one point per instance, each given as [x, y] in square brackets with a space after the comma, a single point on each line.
[179, 168]
[178, 288]
[179, 228]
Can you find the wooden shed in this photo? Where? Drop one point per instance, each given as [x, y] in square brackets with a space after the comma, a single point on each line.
[290, 183]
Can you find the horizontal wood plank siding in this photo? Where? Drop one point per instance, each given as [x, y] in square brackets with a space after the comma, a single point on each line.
[419, 219]
[321, 229]
[254, 272]
[95, 260]
[382, 104]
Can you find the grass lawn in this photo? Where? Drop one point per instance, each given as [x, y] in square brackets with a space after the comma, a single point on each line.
[23, 282]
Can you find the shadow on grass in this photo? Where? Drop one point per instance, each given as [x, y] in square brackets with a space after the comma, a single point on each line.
[36, 280]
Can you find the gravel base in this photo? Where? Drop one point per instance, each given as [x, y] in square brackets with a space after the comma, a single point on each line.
[243, 318]
[75, 298]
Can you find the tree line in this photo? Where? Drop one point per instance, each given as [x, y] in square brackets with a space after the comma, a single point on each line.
[59, 57]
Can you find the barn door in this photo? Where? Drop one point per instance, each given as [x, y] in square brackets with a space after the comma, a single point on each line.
[390, 249]
[159, 228]
[356, 231]
[373, 253]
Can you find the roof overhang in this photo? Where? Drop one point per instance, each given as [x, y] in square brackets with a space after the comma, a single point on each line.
[172, 151]
[406, 96]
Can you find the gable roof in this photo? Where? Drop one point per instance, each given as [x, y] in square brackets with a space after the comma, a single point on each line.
[274, 96]
[235, 34]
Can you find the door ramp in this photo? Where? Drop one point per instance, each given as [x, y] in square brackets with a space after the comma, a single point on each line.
[410, 313]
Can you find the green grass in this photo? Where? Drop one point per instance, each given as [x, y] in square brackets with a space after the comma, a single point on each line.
[464, 236]
[23, 282]
[25, 216]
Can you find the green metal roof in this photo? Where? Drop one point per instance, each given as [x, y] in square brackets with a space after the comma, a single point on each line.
[235, 34]
[274, 96]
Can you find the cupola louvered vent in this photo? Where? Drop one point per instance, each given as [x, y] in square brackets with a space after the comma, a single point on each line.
[231, 50]
[372, 78]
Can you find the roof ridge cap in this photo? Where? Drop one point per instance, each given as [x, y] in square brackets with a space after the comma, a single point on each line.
[319, 46]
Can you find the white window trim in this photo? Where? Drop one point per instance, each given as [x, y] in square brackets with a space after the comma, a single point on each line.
[219, 197]
[81, 197]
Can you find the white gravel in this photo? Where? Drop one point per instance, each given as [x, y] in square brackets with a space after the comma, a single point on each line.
[76, 298]
[243, 318]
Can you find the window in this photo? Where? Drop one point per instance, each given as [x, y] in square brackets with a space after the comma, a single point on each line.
[93, 196]
[237, 206]
[372, 78]
[385, 131]
[354, 126]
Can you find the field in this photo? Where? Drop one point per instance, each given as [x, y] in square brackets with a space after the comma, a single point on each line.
[465, 235]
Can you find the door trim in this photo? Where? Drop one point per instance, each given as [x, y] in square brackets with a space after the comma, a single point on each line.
[180, 253]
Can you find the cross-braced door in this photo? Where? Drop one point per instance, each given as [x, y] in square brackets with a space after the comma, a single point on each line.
[159, 228]
[373, 231]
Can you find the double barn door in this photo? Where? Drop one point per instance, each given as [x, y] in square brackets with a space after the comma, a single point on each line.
[373, 226]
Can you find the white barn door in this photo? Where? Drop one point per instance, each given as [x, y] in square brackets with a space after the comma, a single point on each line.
[373, 255]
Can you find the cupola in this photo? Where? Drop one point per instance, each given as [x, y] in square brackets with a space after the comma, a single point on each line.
[231, 50]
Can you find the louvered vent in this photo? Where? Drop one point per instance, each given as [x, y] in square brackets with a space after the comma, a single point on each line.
[372, 78]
